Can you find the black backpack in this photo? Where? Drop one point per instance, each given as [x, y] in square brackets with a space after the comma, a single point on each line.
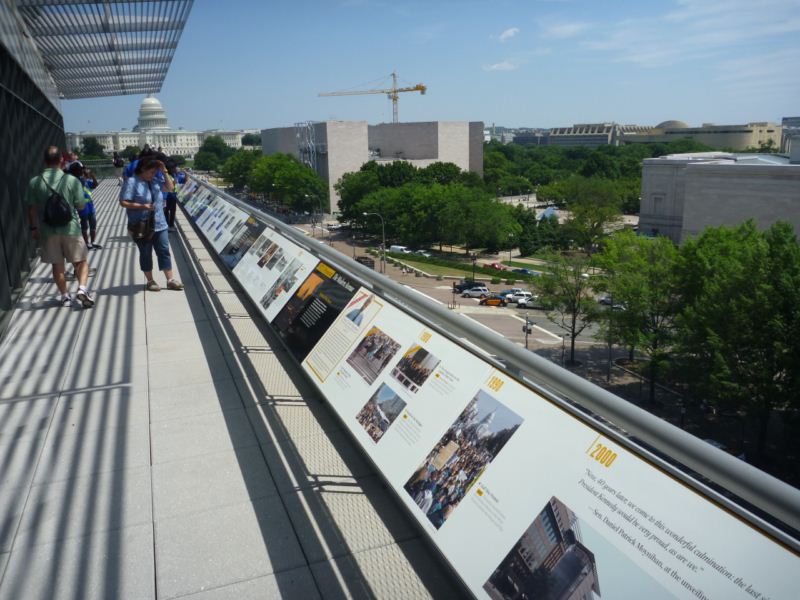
[57, 209]
[118, 162]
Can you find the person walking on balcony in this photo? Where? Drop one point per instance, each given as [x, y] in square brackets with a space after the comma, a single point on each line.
[171, 198]
[119, 163]
[142, 197]
[87, 214]
[54, 199]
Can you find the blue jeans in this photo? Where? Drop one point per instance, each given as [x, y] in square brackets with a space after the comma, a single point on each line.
[159, 243]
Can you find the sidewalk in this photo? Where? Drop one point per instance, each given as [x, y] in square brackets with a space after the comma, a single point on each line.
[164, 445]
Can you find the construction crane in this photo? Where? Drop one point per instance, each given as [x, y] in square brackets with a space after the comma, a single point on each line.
[392, 93]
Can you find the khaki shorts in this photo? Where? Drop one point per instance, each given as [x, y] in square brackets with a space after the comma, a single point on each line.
[58, 248]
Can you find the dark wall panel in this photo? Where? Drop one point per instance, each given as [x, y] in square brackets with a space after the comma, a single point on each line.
[28, 124]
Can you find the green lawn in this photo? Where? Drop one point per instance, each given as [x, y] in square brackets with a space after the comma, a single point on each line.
[437, 270]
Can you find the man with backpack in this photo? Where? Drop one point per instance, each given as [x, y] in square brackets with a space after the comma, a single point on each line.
[54, 199]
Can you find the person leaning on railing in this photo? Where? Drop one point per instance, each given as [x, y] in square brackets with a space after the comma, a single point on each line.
[143, 199]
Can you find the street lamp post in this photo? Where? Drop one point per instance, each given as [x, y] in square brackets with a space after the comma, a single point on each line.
[383, 239]
[474, 258]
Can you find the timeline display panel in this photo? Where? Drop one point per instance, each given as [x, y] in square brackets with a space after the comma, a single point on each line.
[524, 499]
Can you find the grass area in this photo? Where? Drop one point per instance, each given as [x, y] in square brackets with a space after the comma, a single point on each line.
[437, 270]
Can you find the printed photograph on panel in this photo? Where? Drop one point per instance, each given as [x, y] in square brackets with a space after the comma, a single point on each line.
[312, 309]
[415, 367]
[285, 282]
[460, 457]
[372, 354]
[548, 562]
[380, 411]
[233, 252]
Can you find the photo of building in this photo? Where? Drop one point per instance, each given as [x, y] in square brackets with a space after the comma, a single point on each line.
[549, 562]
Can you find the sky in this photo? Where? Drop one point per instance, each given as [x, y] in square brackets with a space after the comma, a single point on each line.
[517, 63]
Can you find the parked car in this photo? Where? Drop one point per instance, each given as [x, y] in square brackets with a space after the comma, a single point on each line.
[399, 249]
[477, 292]
[527, 272]
[530, 302]
[465, 285]
[494, 300]
[496, 266]
[424, 253]
[508, 293]
[520, 295]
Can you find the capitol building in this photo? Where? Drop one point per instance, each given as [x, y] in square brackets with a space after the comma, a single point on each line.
[153, 129]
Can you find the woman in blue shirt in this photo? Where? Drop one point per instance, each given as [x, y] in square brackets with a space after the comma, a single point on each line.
[143, 199]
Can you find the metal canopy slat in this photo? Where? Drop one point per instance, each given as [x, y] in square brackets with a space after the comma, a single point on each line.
[106, 47]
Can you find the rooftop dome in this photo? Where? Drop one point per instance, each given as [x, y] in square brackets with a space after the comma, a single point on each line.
[672, 125]
[151, 115]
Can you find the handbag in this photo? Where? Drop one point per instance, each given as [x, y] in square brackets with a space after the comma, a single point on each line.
[143, 231]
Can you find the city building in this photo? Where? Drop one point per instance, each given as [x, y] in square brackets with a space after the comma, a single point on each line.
[731, 137]
[592, 135]
[682, 194]
[333, 148]
[790, 134]
[152, 128]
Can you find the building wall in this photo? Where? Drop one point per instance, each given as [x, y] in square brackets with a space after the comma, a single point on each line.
[29, 123]
[344, 146]
[476, 147]
[279, 139]
[661, 210]
[731, 194]
[736, 137]
[681, 199]
[405, 141]
[347, 150]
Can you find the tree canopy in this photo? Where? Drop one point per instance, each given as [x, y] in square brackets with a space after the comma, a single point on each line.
[283, 178]
[91, 147]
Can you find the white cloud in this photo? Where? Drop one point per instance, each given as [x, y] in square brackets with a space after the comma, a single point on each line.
[697, 29]
[565, 30]
[506, 65]
[509, 33]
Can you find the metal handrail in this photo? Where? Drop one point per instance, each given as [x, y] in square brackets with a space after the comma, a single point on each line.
[765, 492]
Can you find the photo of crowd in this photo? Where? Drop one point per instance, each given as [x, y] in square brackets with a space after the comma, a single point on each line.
[285, 282]
[549, 561]
[372, 354]
[415, 367]
[380, 411]
[461, 456]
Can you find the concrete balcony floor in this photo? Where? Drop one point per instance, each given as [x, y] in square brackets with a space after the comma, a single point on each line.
[163, 445]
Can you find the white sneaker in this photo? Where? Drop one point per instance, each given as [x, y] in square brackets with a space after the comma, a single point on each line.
[66, 300]
[85, 297]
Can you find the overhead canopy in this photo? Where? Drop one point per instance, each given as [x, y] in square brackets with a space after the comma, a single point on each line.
[106, 48]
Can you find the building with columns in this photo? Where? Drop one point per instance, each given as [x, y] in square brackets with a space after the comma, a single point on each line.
[152, 128]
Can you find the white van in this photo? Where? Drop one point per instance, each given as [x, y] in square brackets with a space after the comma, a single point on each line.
[399, 249]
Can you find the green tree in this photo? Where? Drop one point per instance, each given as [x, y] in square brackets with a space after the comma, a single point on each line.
[352, 188]
[236, 170]
[739, 330]
[513, 185]
[566, 291]
[440, 172]
[130, 152]
[283, 178]
[178, 159]
[251, 139]
[594, 206]
[641, 276]
[205, 161]
[91, 147]
[395, 173]
[217, 146]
